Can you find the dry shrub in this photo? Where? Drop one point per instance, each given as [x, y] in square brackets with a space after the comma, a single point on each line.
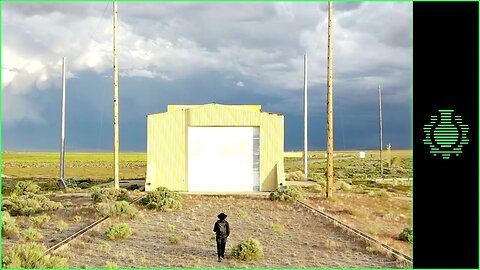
[295, 176]
[383, 194]
[109, 194]
[248, 250]
[25, 187]
[287, 193]
[77, 218]
[110, 265]
[342, 185]
[406, 235]
[61, 225]
[105, 247]
[117, 209]
[119, 231]
[170, 227]
[31, 235]
[316, 188]
[9, 225]
[29, 204]
[39, 221]
[30, 255]
[174, 239]
[242, 213]
[278, 228]
[330, 244]
[162, 199]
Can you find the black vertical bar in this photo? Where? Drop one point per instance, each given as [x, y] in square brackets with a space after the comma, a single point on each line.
[445, 191]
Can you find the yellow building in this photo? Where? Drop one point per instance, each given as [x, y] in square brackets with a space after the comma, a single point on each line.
[215, 148]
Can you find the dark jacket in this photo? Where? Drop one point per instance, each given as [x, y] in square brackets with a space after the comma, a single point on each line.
[216, 228]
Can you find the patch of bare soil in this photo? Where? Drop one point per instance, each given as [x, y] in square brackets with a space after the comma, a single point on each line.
[380, 217]
[308, 241]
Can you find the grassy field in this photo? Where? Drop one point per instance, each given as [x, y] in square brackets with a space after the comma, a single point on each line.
[95, 166]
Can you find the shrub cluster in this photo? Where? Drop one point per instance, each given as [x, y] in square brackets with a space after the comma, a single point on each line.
[9, 225]
[109, 194]
[39, 221]
[174, 239]
[119, 231]
[31, 235]
[22, 188]
[29, 204]
[406, 235]
[117, 209]
[30, 255]
[248, 250]
[162, 199]
[287, 193]
[278, 228]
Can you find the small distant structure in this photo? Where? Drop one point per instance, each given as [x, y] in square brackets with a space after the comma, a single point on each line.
[362, 154]
[215, 148]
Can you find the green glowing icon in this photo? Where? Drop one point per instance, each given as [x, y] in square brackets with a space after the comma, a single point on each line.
[446, 135]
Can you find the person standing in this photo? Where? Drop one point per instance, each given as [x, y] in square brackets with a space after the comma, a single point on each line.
[222, 231]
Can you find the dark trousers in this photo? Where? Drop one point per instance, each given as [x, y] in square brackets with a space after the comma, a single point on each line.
[221, 242]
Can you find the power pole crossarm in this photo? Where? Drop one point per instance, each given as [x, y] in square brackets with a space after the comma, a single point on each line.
[330, 105]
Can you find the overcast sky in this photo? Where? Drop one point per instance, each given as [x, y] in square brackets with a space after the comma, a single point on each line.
[195, 53]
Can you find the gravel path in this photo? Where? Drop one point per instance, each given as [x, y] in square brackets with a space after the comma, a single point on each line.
[308, 240]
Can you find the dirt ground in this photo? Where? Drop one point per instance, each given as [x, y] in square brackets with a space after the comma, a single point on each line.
[383, 218]
[308, 241]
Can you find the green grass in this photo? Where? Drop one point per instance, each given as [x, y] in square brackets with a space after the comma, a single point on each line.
[95, 166]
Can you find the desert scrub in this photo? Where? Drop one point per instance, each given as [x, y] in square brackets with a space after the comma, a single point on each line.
[77, 218]
[119, 231]
[242, 213]
[162, 199]
[278, 228]
[105, 247]
[109, 194]
[287, 193]
[173, 239]
[61, 225]
[406, 235]
[248, 250]
[31, 235]
[24, 187]
[117, 209]
[39, 221]
[30, 255]
[111, 265]
[316, 188]
[383, 194]
[170, 227]
[330, 244]
[29, 204]
[9, 225]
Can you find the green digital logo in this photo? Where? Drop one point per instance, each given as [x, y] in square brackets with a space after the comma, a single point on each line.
[446, 134]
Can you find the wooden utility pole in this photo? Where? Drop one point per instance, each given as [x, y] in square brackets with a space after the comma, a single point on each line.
[381, 128]
[305, 119]
[116, 140]
[62, 132]
[330, 105]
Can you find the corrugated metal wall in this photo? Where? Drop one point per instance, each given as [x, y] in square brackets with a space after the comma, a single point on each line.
[167, 149]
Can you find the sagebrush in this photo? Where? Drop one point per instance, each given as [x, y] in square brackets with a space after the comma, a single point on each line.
[29, 204]
[119, 231]
[39, 221]
[287, 193]
[117, 209]
[31, 235]
[9, 225]
[162, 199]
[406, 235]
[25, 187]
[109, 194]
[248, 250]
[30, 255]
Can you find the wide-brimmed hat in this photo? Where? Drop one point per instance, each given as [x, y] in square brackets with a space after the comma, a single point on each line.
[222, 216]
